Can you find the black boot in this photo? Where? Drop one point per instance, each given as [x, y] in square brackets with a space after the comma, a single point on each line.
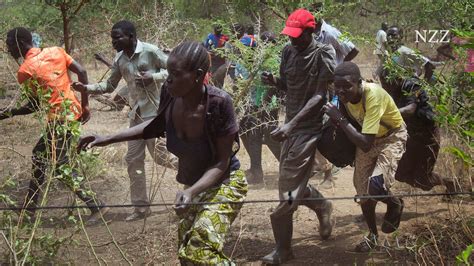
[392, 217]
[282, 231]
[323, 209]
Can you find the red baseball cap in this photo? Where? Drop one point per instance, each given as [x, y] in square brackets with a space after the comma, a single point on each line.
[297, 22]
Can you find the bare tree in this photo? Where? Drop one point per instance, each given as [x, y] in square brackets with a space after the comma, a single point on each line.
[69, 10]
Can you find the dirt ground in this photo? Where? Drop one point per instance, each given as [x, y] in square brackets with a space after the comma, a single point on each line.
[154, 240]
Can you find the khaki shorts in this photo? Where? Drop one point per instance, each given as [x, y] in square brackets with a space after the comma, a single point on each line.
[381, 159]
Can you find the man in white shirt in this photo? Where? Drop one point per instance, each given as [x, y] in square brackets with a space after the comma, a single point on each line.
[381, 40]
[381, 47]
[143, 67]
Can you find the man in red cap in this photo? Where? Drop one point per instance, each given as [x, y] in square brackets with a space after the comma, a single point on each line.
[306, 68]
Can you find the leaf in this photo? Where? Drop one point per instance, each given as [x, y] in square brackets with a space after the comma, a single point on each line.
[464, 256]
[460, 154]
[468, 133]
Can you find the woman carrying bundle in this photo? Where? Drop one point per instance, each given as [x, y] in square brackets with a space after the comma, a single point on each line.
[417, 164]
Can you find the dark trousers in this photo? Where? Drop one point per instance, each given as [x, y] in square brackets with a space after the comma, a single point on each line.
[256, 127]
[50, 153]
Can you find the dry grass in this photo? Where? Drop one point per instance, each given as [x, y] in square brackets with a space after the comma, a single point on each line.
[439, 241]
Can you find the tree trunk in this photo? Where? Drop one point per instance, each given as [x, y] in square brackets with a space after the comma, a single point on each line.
[65, 18]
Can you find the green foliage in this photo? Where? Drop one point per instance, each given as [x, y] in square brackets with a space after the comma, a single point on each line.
[455, 112]
[464, 257]
[7, 184]
[250, 63]
[29, 245]
[90, 165]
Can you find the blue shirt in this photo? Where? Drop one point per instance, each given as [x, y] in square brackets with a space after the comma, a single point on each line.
[248, 40]
[215, 41]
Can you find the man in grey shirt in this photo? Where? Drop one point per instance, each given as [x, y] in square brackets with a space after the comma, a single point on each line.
[344, 48]
[305, 70]
[413, 62]
[143, 67]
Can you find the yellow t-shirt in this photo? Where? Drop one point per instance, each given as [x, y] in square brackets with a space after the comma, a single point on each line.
[380, 114]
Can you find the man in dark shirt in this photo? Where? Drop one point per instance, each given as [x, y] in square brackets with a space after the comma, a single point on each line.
[305, 70]
[416, 167]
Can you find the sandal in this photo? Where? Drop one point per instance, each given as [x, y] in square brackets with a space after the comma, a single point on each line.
[368, 244]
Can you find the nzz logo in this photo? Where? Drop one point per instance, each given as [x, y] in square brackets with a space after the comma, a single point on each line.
[434, 36]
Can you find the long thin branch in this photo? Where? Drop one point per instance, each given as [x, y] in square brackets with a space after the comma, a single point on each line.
[87, 237]
[13, 150]
[81, 4]
[115, 242]
[37, 221]
[265, 3]
[11, 249]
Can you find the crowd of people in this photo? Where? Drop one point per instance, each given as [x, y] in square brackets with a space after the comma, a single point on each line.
[176, 108]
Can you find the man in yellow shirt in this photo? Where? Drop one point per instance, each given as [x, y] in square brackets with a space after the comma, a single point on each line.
[380, 145]
[376, 112]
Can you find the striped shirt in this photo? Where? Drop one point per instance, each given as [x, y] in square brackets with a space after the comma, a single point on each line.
[302, 74]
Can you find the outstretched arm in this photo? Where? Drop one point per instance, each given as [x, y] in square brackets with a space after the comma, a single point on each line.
[132, 133]
[103, 87]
